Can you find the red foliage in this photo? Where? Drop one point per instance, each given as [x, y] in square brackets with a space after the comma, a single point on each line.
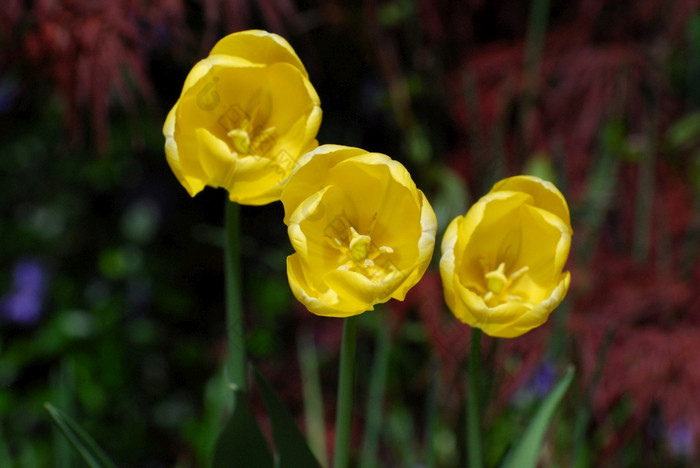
[652, 312]
[237, 15]
[96, 51]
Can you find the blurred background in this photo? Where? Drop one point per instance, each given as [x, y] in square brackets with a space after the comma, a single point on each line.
[111, 286]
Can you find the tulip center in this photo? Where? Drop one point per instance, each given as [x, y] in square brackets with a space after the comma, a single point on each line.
[244, 144]
[498, 283]
[360, 254]
[496, 279]
[248, 132]
[358, 245]
[241, 140]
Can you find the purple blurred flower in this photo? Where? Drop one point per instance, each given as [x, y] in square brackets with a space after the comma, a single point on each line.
[681, 439]
[29, 276]
[24, 301]
[543, 380]
[538, 385]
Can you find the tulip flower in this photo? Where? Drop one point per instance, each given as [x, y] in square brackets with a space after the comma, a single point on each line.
[361, 230]
[502, 262]
[246, 114]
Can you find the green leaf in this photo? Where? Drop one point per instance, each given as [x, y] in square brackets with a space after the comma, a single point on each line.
[527, 450]
[313, 396]
[684, 133]
[292, 448]
[83, 443]
[241, 444]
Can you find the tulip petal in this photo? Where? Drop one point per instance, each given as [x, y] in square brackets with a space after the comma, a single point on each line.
[352, 285]
[292, 94]
[544, 193]
[546, 243]
[193, 185]
[326, 303]
[207, 70]
[306, 180]
[447, 262]
[426, 245]
[216, 158]
[259, 47]
[470, 307]
[490, 234]
[309, 234]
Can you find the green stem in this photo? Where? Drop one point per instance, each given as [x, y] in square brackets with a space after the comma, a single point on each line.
[375, 402]
[473, 422]
[235, 368]
[341, 457]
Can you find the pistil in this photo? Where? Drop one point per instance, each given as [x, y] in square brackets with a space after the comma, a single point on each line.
[498, 283]
[359, 251]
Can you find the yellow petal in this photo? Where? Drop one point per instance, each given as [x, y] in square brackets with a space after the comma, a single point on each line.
[258, 47]
[216, 158]
[470, 308]
[505, 320]
[254, 182]
[393, 208]
[447, 262]
[489, 235]
[426, 246]
[308, 230]
[193, 185]
[544, 308]
[326, 302]
[358, 289]
[539, 314]
[205, 72]
[545, 244]
[544, 193]
[306, 179]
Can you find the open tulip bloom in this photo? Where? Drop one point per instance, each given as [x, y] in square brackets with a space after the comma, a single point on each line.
[502, 262]
[362, 234]
[361, 230]
[246, 114]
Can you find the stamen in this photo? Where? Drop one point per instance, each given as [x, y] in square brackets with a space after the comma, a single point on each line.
[359, 252]
[498, 285]
[241, 140]
[359, 245]
[518, 273]
[262, 139]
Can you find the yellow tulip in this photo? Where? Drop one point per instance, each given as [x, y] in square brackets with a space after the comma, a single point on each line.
[502, 262]
[361, 230]
[246, 114]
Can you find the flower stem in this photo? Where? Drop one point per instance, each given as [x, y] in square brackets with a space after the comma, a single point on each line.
[235, 367]
[341, 456]
[375, 400]
[473, 422]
